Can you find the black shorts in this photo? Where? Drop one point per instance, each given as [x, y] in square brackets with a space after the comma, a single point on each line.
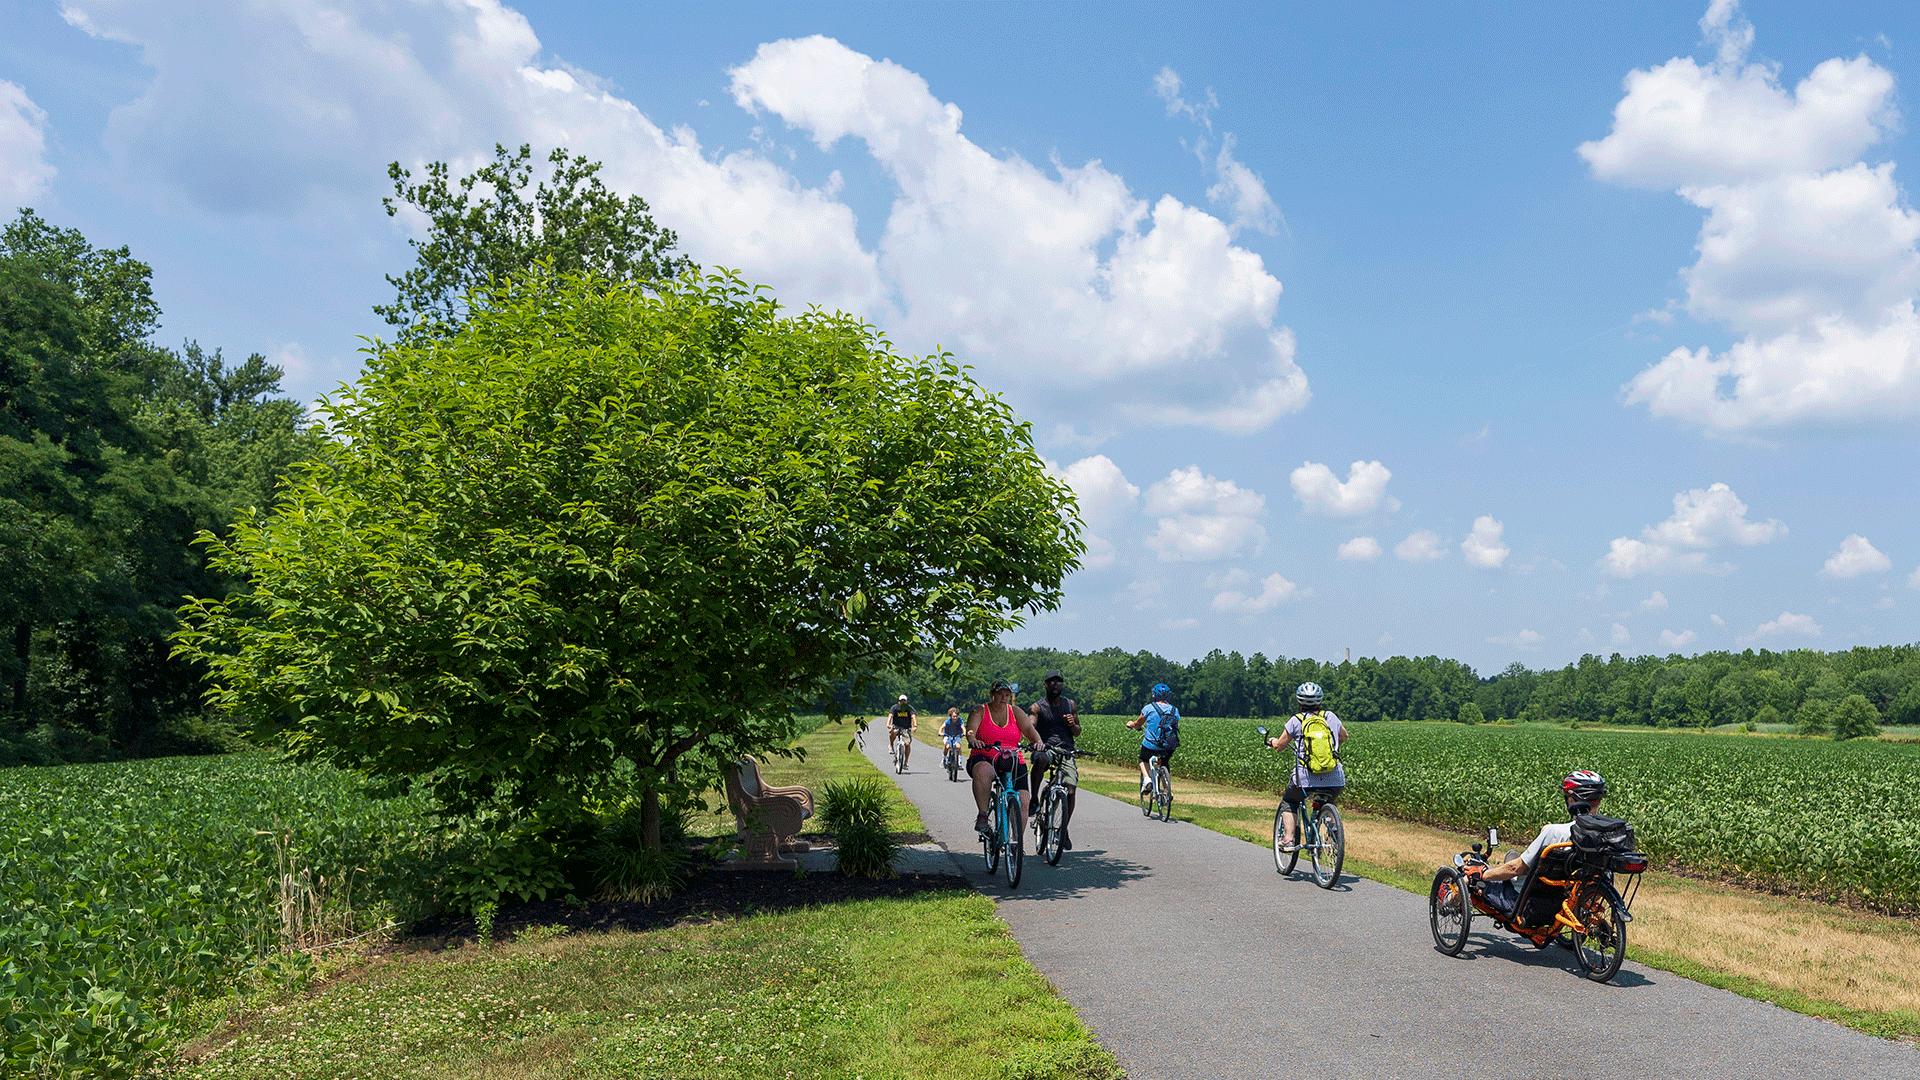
[1295, 795]
[1004, 762]
[1155, 752]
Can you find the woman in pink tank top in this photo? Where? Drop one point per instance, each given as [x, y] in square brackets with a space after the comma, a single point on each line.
[994, 730]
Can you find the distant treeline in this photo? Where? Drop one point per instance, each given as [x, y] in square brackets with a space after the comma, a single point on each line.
[1672, 691]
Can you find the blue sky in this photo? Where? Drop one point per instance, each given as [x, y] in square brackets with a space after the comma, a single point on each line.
[1509, 334]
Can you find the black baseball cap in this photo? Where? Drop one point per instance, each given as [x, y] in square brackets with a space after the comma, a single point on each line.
[1052, 675]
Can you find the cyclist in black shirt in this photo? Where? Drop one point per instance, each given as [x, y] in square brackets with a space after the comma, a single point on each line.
[902, 726]
[1057, 718]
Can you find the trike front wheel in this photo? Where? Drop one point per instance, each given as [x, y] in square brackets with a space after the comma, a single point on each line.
[1449, 910]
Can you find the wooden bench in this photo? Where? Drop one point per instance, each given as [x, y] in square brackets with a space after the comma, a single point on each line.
[766, 819]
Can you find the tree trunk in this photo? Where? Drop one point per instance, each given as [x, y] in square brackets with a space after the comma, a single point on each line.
[23, 650]
[650, 818]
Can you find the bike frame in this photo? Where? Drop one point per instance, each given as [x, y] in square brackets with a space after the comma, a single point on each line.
[1576, 880]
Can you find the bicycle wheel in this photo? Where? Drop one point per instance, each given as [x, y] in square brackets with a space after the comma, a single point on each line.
[1015, 854]
[953, 764]
[1330, 847]
[1449, 911]
[1601, 941]
[1283, 861]
[1042, 826]
[1056, 815]
[1163, 792]
[990, 836]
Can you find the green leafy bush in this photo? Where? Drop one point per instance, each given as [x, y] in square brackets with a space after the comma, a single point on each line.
[1856, 718]
[855, 812]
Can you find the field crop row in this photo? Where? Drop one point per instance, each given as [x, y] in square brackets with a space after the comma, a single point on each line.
[129, 888]
[1840, 818]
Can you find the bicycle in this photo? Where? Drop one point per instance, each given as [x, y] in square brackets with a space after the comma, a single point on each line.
[901, 740]
[1050, 806]
[1324, 836]
[1157, 798]
[952, 761]
[1002, 840]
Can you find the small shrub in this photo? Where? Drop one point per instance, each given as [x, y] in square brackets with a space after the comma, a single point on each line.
[1856, 718]
[1812, 719]
[483, 914]
[625, 869]
[855, 812]
[865, 849]
[845, 802]
[1471, 714]
[1767, 715]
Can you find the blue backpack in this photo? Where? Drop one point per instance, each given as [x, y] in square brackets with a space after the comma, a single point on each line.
[1163, 730]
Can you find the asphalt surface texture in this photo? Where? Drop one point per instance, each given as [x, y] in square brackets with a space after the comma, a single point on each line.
[1190, 957]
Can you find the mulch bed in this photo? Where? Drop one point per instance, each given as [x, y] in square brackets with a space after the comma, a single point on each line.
[712, 893]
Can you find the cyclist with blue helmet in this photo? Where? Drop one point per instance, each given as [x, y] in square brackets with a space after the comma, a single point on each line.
[1159, 725]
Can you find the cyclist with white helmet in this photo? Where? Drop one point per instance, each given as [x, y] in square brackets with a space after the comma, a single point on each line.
[902, 727]
[1316, 735]
[1583, 789]
[1159, 725]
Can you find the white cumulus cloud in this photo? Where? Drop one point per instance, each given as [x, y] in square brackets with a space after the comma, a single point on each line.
[1274, 590]
[1482, 546]
[1787, 623]
[1656, 602]
[1702, 519]
[25, 172]
[1671, 640]
[1202, 517]
[1525, 639]
[1365, 488]
[1067, 274]
[1042, 277]
[1807, 252]
[1856, 556]
[1421, 546]
[1106, 498]
[1620, 635]
[1360, 549]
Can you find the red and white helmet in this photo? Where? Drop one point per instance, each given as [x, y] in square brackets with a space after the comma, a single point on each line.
[1584, 786]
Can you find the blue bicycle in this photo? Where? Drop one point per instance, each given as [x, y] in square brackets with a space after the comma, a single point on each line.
[1001, 841]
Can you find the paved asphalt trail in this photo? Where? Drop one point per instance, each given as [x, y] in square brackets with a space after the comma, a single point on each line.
[1257, 975]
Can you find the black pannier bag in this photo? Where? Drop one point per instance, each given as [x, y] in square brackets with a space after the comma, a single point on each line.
[1602, 841]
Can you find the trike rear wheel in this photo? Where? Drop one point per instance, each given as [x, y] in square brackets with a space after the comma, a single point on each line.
[1601, 942]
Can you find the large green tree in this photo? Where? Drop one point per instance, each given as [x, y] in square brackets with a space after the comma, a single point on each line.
[487, 227]
[606, 536]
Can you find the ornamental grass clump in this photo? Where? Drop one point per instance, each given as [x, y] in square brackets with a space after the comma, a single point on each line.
[855, 812]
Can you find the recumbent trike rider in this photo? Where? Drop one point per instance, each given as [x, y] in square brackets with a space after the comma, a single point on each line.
[1568, 894]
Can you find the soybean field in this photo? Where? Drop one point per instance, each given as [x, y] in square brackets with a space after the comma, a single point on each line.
[1835, 818]
[131, 888]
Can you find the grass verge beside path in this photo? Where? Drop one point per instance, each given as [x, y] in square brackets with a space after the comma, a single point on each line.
[869, 989]
[1854, 968]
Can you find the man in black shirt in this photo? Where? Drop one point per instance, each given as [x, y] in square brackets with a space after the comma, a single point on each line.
[1057, 718]
[902, 727]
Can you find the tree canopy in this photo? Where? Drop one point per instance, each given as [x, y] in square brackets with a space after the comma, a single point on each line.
[608, 535]
[493, 229]
[114, 454]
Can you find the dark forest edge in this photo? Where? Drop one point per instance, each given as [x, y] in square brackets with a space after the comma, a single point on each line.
[1804, 687]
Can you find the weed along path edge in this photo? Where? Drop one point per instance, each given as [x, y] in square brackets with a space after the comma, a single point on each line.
[1189, 957]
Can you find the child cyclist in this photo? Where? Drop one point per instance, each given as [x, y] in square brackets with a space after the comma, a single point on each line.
[953, 731]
